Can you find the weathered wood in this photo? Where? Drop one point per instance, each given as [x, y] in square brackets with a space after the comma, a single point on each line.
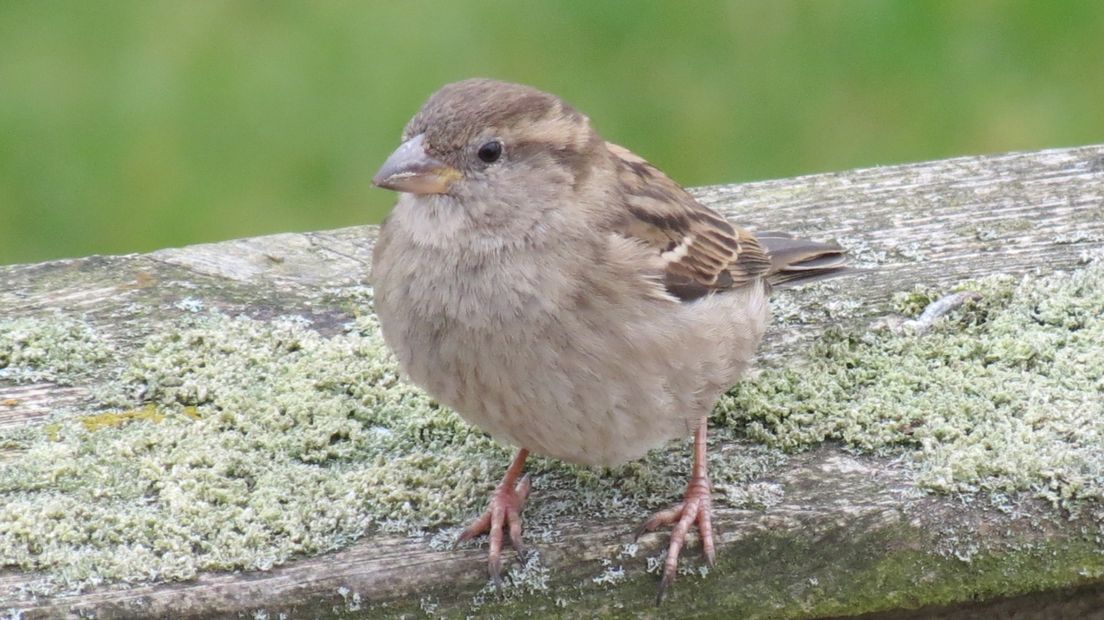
[934, 223]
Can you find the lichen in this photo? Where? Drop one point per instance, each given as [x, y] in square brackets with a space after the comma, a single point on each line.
[58, 348]
[224, 443]
[257, 441]
[1004, 395]
[110, 419]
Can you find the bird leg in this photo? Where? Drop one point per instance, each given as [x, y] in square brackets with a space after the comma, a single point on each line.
[504, 509]
[696, 508]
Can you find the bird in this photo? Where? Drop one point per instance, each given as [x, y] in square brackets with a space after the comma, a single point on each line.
[566, 296]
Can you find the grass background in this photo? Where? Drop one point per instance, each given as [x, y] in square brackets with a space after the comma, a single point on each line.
[129, 125]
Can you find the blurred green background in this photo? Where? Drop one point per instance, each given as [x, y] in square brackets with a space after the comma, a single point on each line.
[132, 125]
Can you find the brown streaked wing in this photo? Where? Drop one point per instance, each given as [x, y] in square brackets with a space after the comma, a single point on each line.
[702, 251]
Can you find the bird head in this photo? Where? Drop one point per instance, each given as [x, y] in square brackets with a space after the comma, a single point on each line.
[481, 141]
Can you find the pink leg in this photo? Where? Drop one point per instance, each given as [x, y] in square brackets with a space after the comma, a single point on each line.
[504, 510]
[696, 508]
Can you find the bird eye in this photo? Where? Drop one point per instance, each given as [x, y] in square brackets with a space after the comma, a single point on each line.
[490, 152]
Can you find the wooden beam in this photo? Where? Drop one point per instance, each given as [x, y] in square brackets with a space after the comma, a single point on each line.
[851, 534]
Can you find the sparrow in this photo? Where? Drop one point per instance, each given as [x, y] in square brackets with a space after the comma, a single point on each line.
[566, 296]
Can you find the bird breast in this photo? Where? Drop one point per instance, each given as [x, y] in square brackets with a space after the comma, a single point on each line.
[563, 358]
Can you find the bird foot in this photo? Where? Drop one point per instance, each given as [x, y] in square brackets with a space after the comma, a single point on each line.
[696, 508]
[503, 512]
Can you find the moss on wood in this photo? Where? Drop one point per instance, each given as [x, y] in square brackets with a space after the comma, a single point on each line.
[226, 443]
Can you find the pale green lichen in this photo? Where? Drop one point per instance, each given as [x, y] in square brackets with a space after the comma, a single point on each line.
[58, 349]
[236, 443]
[1005, 395]
[268, 440]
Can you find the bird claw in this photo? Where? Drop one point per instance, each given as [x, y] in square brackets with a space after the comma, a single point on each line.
[503, 513]
[695, 509]
[664, 583]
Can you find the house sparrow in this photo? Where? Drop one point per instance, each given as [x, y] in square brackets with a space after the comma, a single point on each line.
[564, 295]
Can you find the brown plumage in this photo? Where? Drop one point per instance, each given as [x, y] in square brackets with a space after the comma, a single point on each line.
[702, 251]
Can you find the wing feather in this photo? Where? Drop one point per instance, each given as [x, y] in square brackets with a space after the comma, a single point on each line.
[702, 252]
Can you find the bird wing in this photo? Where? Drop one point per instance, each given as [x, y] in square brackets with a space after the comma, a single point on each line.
[701, 251]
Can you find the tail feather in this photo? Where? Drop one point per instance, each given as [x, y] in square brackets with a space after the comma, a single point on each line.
[799, 261]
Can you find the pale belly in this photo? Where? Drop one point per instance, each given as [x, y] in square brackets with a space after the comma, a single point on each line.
[583, 388]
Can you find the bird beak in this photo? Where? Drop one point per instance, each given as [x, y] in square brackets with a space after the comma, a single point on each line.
[410, 169]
